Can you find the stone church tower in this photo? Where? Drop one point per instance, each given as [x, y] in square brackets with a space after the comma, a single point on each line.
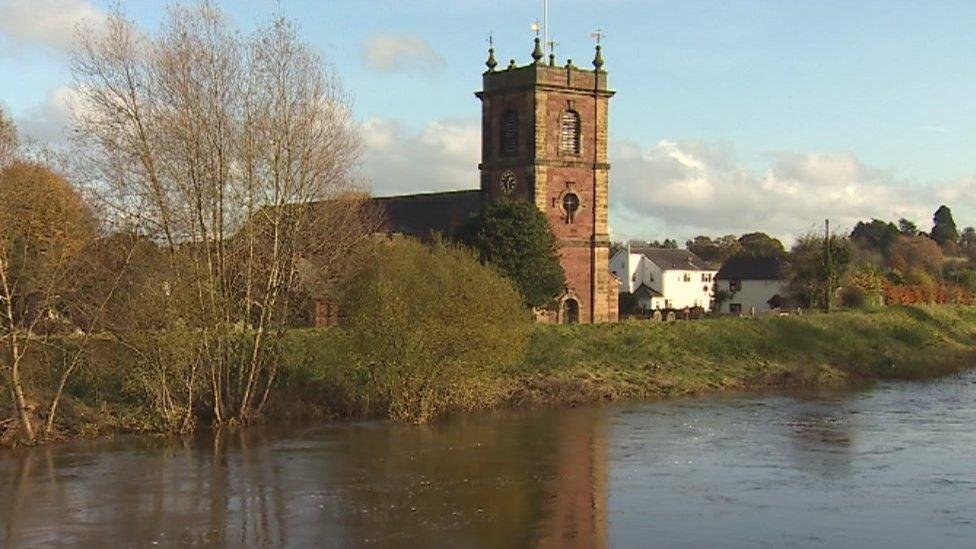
[544, 140]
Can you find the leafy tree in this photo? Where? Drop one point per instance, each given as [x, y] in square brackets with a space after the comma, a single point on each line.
[916, 254]
[45, 227]
[720, 297]
[875, 235]
[944, 227]
[714, 250]
[960, 273]
[907, 227]
[966, 278]
[670, 244]
[868, 283]
[430, 331]
[921, 278]
[967, 240]
[816, 267]
[760, 245]
[129, 279]
[515, 237]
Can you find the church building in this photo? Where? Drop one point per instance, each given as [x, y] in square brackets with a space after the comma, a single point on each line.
[544, 140]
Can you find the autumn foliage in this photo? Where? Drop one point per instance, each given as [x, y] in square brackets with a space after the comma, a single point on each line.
[914, 294]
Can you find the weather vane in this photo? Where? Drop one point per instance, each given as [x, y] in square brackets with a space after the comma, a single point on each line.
[598, 34]
[491, 39]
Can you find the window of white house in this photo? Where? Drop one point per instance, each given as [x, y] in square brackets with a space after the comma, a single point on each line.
[569, 134]
[735, 285]
[687, 277]
[706, 277]
[735, 308]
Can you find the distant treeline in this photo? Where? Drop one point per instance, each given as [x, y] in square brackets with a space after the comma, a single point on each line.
[877, 262]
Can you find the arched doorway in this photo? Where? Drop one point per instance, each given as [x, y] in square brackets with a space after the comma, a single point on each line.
[570, 311]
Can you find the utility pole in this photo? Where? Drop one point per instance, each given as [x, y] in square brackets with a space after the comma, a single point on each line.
[828, 269]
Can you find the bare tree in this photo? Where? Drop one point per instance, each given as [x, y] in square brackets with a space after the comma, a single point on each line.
[236, 154]
[8, 139]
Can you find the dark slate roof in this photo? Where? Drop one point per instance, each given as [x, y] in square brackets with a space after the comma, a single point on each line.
[671, 259]
[751, 268]
[422, 215]
[644, 289]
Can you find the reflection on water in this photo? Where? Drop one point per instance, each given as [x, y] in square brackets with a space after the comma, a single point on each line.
[888, 467]
[504, 480]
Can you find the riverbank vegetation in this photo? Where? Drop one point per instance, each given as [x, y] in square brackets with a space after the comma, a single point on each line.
[410, 366]
[637, 359]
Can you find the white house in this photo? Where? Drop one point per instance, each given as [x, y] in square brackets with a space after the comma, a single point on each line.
[751, 285]
[661, 278]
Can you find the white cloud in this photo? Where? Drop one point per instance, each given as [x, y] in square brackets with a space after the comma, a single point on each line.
[442, 156]
[49, 23]
[405, 52]
[48, 123]
[936, 128]
[683, 189]
[961, 192]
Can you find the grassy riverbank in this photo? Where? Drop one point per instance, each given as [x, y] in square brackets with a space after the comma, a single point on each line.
[322, 376]
[641, 359]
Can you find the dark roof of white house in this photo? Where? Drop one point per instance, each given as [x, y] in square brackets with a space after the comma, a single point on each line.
[644, 289]
[751, 268]
[667, 258]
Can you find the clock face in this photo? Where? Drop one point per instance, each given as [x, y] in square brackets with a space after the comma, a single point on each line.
[507, 182]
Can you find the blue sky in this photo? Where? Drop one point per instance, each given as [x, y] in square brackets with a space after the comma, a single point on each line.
[731, 115]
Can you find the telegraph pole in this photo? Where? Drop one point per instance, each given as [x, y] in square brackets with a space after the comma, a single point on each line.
[828, 269]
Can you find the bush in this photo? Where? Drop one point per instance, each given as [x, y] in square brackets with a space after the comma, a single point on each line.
[431, 329]
[853, 297]
[627, 303]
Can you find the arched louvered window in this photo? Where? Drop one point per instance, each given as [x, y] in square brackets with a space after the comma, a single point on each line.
[510, 131]
[569, 133]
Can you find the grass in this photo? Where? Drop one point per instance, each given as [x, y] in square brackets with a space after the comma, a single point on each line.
[639, 359]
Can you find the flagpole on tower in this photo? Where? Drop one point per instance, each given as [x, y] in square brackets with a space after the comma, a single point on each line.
[545, 24]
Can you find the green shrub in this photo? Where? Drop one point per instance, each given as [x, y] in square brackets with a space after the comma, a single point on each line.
[430, 330]
[853, 298]
[516, 238]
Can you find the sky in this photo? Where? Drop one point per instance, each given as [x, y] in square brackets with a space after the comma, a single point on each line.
[731, 115]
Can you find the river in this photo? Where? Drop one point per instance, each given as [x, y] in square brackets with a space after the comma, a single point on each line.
[889, 466]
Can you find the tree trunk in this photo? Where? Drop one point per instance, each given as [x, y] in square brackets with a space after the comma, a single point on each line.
[20, 401]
